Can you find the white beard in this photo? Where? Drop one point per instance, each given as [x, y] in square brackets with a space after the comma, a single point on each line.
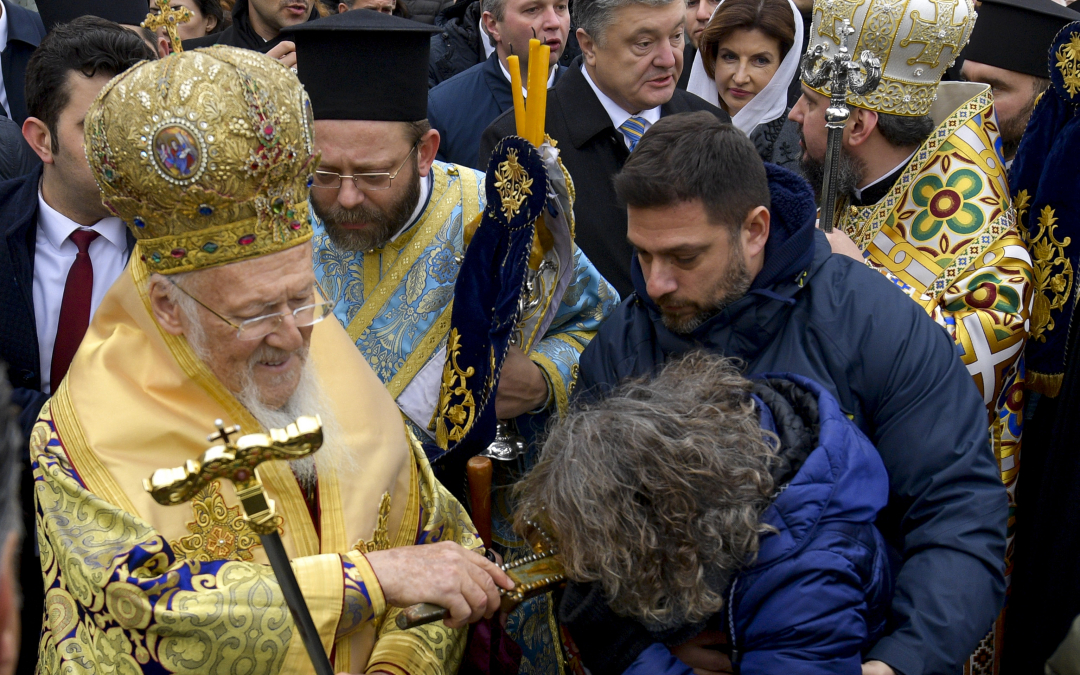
[309, 399]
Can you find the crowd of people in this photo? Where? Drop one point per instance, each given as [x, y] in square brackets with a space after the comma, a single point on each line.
[581, 239]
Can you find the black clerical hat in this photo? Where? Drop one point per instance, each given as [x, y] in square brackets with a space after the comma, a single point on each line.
[131, 12]
[1016, 34]
[364, 65]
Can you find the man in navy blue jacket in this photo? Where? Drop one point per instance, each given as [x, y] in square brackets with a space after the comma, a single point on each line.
[728, 258]
[24, 32]
[463, 106]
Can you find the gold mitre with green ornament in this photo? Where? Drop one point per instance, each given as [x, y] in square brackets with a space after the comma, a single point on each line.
[206, 155]
[915, 40]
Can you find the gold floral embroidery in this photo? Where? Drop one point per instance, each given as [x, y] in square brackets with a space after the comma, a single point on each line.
[380, 539]
[1068, 62]
[219, 531]
[1053, 271]
[454, 383]
[512, 183]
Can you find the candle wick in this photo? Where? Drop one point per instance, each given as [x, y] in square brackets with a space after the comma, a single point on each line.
[534, 32]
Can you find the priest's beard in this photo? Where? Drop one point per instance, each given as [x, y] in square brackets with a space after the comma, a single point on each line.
[309, 399]
[732, 286]
[847, 179]
[380, 224]
[1012, 130]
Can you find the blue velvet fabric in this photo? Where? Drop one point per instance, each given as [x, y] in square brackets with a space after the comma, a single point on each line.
[484, 322]
[1044, 176]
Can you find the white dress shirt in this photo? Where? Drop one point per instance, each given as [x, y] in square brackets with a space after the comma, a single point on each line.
[524, 92]
[616, 113]
[54, 254]
[3, 46]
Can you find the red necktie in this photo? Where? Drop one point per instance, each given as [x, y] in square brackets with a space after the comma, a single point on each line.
[75, 308]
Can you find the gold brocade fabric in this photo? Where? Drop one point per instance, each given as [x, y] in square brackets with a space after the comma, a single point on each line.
[946, 235]
[136, 400]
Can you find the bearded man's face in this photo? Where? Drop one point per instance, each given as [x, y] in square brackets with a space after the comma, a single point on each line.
[358, 218]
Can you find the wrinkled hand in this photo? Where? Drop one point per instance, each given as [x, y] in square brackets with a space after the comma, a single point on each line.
[445, 574]
[522, 387]
[876, 668]
[285, 52]
[705, 661]
[842, 244]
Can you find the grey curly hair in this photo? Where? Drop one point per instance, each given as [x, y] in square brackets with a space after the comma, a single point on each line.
[656, 491]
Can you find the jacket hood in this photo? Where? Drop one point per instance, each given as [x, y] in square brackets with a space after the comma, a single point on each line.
[828, 468]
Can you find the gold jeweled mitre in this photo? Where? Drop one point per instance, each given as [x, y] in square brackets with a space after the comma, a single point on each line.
[915, 40]
[207, 156]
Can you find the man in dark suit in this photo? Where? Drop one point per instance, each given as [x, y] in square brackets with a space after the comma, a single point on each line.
[631, 59]
[463, 106]
[60, 250]
[22, 32]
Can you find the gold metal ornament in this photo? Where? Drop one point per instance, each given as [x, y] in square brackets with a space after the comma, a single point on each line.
[513, 184]
[238, 462]
[169, 19]
[206, 155]
[915, 41]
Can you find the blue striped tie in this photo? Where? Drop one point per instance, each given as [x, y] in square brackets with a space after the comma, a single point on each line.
[633, 129]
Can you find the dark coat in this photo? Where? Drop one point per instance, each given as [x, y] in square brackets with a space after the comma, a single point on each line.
[458, 47]
[425, 11]
[16, 157]
[240, 32]
[689, 52]
[463, 106]
[817, 594]
[896, 373]
[25, 32]
[593, 151]
[19, 350]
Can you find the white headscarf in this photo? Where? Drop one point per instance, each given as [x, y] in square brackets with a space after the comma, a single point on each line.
[770, 102]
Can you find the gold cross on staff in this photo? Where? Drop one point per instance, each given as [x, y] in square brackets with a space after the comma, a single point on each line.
[169, 19]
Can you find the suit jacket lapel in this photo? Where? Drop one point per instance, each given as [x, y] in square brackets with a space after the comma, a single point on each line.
[497, 84]
[587, 118]
[20, 237]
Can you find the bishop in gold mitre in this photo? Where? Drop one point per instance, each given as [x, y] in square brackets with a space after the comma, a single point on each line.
[207, 156]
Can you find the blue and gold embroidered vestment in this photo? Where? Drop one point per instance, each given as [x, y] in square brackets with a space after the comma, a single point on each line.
[395, 302]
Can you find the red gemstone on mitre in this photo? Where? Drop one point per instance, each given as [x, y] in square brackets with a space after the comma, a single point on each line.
[241, 474]
[246, 239]
[268, 130]
[294, 225]
[179, 252]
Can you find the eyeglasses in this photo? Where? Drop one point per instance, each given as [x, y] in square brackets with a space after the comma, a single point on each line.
[328, 180]
[261, 326]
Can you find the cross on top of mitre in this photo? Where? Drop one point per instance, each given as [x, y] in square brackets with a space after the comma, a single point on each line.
[169, 18]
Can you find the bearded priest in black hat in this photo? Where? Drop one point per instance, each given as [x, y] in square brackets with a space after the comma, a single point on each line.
[392, 224]
[1008, 52]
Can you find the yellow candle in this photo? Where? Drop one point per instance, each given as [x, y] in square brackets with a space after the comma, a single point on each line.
[529, 87]
[519, 99]
[539, 99]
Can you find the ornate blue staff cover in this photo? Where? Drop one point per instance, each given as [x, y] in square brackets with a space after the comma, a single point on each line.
[1046, 194]
[487, 297]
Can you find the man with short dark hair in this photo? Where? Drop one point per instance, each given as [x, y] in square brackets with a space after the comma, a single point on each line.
[1016, 74]
[631, 61]
[63, 250]
[924, 200]
[463, 106]
[728, 259]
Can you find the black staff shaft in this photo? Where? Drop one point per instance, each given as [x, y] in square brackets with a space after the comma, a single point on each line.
[279, 560]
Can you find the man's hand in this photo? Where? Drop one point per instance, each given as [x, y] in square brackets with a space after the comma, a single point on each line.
[285, 52]
[842, 244]
[522, 386]
[876, 668]
[697, 654]
[445, 574]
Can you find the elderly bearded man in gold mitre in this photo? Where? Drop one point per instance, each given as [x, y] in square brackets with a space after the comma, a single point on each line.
[207, 156]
